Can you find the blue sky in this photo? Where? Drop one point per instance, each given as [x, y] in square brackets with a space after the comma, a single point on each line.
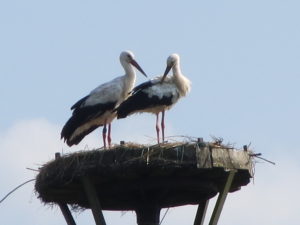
[243, 61]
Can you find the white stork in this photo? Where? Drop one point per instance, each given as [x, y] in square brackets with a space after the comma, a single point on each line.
[97, 108]
[157, 95]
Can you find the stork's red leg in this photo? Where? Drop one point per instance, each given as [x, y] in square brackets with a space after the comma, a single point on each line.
[108, 136]
[157, 128]
[104, 135]
[163, 125]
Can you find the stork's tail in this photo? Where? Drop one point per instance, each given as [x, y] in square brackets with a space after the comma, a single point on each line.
[73, 132]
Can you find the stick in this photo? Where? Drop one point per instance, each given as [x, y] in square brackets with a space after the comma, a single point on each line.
[15, 189]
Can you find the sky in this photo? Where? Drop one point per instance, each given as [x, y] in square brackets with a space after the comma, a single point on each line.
[242, 58]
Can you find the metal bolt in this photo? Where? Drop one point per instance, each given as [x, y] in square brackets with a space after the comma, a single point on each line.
[200, 140]
[57, 155]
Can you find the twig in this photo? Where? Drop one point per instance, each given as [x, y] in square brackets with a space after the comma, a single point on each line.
[217, 140]
[266, 160]
[35, 170]
[15, 189]
[257, 155]
[248, 146]
[190, 138]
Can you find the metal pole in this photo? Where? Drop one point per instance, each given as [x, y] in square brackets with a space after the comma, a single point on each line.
[221, 199]
[94, 201]
[201, 211]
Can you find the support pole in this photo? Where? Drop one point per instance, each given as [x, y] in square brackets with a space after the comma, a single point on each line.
[201, 211]
[221, 199]
[64, 207]
[67, 214]
[94, 201]
[147, 215]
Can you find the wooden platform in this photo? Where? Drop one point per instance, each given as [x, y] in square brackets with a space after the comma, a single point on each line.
[129, 175]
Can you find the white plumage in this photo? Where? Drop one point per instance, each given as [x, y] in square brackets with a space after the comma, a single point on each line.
[157, 95]
[97, 108]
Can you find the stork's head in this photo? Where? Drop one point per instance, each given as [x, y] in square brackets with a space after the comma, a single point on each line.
[172, 60]
[127, 57]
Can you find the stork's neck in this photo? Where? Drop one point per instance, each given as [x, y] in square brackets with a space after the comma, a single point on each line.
[176, 70]
[182, 83]
[129, 78]
[129, 71]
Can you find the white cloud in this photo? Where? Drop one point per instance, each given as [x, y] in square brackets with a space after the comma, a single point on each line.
[28, 142]
[271, 200]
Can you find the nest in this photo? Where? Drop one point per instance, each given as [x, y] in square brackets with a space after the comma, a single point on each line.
[129, 175]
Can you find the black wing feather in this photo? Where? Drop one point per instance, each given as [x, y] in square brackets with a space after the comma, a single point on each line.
[82, 115]
[79, 103]
[142, 86]
[141, 101]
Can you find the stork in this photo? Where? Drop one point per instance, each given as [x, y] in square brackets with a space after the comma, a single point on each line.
[157, 95]
[97, 108]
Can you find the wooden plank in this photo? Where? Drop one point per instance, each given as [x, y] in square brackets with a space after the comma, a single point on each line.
[201, 211]
[240, 159]
[94, 201]
[203, 155]
[221, 199]
[231, 159]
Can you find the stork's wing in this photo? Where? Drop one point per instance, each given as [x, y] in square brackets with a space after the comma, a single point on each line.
[142, 86]
[79, 103]
[93, 110]
[148, 96]
[86, 120]
[145, 85]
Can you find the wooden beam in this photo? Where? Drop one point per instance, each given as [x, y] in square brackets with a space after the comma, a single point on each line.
[147, 215]
[67, 214]
[201, 211]
[64, 207]
[221, 199]
[94, 201]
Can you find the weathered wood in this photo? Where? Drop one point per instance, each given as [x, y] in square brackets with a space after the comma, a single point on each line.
[94, 201]
[221, 199]
[203, 155]
[201, 211]
[231, 159]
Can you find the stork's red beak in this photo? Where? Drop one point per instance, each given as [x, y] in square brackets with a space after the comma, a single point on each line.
[136, 65]
[166, 72]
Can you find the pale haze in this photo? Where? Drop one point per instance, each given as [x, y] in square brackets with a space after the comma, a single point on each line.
[241, 57]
